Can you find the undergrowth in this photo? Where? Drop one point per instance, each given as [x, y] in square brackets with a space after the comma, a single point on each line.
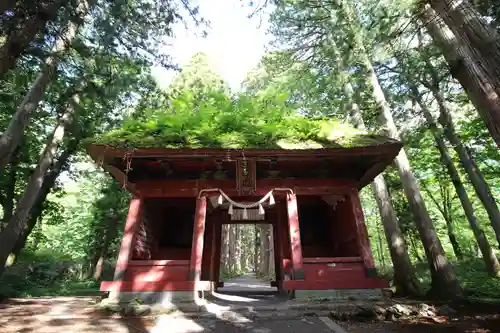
[471, 274]
[45, 274]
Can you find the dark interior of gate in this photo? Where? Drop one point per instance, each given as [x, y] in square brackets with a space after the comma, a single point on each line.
[327, 232]
[175, 221]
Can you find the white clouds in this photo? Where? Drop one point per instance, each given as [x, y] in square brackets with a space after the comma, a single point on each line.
[234, 44]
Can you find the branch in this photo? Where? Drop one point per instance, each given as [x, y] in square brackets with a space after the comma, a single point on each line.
[433, 198]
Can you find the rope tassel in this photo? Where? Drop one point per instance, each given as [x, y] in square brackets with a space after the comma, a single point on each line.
[271, 200]
[245, 214]
[261, 210]
[230, 210]
[220, 200]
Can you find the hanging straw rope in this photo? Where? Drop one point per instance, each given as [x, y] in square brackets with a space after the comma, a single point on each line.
[223, 196]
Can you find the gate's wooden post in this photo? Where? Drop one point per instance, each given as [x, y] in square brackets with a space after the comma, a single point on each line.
[294, 230]
[362, 234]
[198, 238]
[130, 231]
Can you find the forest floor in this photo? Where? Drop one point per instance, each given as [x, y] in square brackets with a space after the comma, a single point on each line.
[474, 317]
[78, 315]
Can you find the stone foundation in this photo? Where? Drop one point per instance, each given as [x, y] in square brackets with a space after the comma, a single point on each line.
[161, 299]
[339, 294]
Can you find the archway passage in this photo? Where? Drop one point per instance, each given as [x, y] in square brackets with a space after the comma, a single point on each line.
[246, 262]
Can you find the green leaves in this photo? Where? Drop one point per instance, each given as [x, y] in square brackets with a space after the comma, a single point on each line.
[231, 121]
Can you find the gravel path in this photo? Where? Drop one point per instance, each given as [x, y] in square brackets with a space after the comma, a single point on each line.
[246, 283]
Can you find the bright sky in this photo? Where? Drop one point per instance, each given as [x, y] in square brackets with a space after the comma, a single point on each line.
[234, 44]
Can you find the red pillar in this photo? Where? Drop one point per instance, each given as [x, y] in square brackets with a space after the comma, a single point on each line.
[362, 234]
[131, 227]
[198, 235]
[294, 231]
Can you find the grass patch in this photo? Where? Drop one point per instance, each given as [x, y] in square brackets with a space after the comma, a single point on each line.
[44, 274]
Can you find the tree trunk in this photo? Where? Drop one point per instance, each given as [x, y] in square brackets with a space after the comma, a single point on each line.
[475, 176]
[17, 223]
[231, 247]
[256, 249]
[465, 69]
[36, 212]
[10, 192]
[237, 248]
[14, 133]
[447, 215]
[380, 248]
[490, 260]
[225, 247]
[404, 273]
[272, 272]
[414, 247]
[444, 279]
[472, 31]
[109, 234]
[264, 249]
[25, 31]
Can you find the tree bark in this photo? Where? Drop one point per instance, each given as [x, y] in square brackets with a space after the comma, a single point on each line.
[476, 83]
[405, 280]
[479, 184]
[231, 247]
[225, 247]
[10, 192]
[444, 279]
[14, 133]
[24, 32]
[264, 249]
[37, 210]
[474, 33]
[237, 248]
[109, 234]
[489, 258]
[447, 215]
[256, 254]
[414, 247]
[380, 248]
[271, 251]
[17, 223]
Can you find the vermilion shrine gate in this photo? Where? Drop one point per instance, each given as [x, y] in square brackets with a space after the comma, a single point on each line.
[172, 236]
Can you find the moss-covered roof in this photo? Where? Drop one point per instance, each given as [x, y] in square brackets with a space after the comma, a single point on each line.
[295, 132]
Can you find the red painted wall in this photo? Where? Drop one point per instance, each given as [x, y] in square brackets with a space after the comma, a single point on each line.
[157, 272]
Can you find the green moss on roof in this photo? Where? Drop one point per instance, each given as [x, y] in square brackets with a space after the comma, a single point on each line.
[293, 132]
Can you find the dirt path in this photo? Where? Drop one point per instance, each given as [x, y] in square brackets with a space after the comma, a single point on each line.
[80, 315]
[246, 283]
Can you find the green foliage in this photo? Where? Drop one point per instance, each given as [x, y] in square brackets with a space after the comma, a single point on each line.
[472, 277]
[240, 121]
[46, 274]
